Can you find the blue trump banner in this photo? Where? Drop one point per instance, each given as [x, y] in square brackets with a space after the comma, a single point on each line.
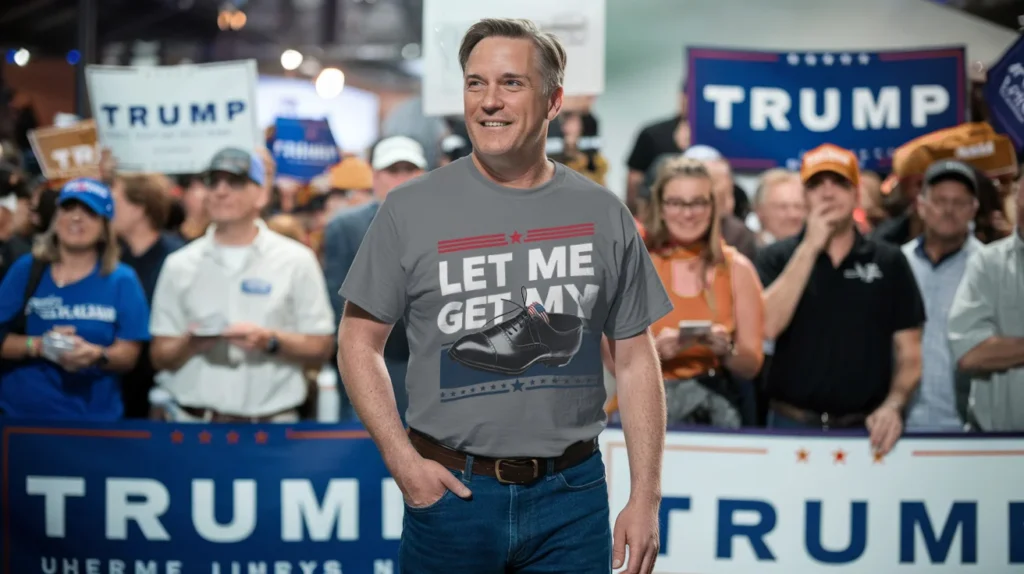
[162, 498]
[303, 149]
[765, 109]
[1004, 93]
[168, 499]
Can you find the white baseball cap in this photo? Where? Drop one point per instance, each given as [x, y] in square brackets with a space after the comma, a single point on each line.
[395, 149]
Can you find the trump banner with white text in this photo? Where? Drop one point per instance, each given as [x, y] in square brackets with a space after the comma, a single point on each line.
[173, 119]
[156, 498]
[765, 109]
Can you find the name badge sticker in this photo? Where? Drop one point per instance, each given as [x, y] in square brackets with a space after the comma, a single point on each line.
[255, 287]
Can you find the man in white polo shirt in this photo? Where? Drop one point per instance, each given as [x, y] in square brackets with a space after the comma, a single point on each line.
[238, 311]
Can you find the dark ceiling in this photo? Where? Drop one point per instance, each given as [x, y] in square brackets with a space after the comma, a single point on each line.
[50, 27]
[352, 30]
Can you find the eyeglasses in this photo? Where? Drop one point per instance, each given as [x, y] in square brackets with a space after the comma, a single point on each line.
[950, 204]
[234, 181]
[678, 205]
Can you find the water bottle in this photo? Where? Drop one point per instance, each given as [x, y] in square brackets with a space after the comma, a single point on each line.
[161, 398]
[328, 402]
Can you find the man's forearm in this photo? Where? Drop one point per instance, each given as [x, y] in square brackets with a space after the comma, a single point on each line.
[641, 397]
[169, 353]
[994, 354]
[302, 348]
[782, 296]
[904, 382]
[368, 386]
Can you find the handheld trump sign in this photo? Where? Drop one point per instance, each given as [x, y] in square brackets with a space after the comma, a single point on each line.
[155, 498]
[173, 119]
[303, 149]
[1004, 93]
[67, 152]
[579, 24]
[764, 109]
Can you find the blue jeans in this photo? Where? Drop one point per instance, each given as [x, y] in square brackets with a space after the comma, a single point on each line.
[559, 524]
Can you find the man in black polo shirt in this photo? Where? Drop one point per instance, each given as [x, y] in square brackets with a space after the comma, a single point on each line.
[836, 305]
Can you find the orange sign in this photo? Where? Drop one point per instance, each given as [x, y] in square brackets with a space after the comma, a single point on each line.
[69, 152]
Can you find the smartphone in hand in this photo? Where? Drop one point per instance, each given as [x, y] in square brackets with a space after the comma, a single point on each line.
[693, 329]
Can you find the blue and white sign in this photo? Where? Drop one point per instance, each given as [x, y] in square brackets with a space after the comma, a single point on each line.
[303, 149]
[173, 119]
[765, 109]
[157, 498]
[1004, 93]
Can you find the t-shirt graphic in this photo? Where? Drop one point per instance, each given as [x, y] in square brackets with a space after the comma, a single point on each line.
[527, 345]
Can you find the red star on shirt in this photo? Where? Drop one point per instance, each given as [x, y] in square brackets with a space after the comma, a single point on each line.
[204, 437]
[232, 437]
[261, 437]
[177, 437]
[802, 455]
[839, 456]
[516, 236]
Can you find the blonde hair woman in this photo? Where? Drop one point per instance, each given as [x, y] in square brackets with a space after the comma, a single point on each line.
[81, 324]
[707, 282]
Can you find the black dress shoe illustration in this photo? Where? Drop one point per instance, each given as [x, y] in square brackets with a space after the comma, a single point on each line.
[513, 346]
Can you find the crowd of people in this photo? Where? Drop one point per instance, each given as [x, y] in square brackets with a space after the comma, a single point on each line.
[827, 297]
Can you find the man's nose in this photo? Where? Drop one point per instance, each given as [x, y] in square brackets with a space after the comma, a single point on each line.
[491, 102]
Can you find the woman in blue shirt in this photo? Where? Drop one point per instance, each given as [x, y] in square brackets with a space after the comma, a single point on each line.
[86, 295]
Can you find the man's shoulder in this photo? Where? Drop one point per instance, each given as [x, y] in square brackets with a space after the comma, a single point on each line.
[781, 249]
[998, 251]
[188, 254]
[883, 251]
[660, 126]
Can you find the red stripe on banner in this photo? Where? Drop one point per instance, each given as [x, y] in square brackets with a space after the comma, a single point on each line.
[469, 246]
[476, 239]
[729, 55]
[559, 236]
[325, 435]
[576, 227]
[968, 453]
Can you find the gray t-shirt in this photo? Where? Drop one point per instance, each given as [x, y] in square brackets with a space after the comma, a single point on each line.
[455, 255]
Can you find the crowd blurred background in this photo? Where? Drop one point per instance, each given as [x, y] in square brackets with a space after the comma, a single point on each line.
[620, 138]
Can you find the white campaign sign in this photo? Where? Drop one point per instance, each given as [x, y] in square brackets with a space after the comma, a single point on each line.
[173, 119]
[579, 24]
[741, 503]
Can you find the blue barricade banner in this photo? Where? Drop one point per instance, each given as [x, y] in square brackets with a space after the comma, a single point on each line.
[765, 109]
[303, 149]
[1004, 93]
[157, 498]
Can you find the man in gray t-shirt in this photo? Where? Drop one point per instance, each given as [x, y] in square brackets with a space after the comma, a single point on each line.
[506, 290]
[562, 260]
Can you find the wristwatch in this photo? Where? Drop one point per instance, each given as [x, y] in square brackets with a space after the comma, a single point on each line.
[273, 345]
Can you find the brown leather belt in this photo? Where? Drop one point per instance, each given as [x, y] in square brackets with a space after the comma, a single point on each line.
[826, 420]
[505, 470]
[217, 417]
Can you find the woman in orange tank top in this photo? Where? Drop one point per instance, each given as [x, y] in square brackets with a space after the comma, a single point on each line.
[706, 281]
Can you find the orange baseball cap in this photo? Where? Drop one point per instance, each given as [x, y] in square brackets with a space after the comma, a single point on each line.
[832, 158]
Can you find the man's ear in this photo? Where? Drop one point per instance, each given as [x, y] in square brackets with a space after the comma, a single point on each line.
[555, 103]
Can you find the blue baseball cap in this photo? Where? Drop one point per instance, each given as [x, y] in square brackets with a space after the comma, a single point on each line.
[239, 162]
[90, 193]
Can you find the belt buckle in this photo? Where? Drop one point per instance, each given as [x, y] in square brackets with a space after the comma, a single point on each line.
[501, 480]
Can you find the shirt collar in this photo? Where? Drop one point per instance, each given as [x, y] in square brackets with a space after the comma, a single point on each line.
[259, 243]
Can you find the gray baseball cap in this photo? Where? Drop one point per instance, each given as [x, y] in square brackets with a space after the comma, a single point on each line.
[952, 169]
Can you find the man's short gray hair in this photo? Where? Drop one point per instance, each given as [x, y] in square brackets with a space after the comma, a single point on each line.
[549, 47]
